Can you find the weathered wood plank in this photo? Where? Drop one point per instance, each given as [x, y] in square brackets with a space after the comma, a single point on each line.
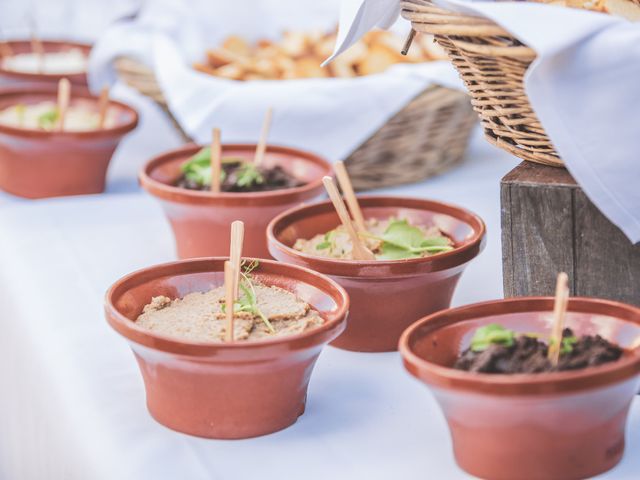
[607, 264]
[549, 225]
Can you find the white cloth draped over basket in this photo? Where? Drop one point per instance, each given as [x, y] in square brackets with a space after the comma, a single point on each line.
[331, 117]
[584, 87]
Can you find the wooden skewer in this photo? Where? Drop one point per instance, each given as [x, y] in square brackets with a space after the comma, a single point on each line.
[360, 251]
[237, 239]
[262, 143]
[64, 97]
[216, 161]
[229, 275]
[38, 49]
[559, 312]
[5, 50]
[408, 42]
[349, 195]
[103, 106]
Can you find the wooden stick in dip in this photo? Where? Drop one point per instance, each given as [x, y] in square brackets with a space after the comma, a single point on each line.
[262, 143]
[229, 275]
[64, 96]
[347, 190]
[37, 48]
[559, 312]
[103, 106]
[360, 251]
[5, 50]
[216, 161]
[237, 240]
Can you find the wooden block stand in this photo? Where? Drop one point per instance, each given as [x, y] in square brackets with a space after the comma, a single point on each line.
[549, 225]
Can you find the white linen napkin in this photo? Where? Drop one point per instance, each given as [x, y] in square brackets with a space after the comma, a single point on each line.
[331, 117]
[583, 87]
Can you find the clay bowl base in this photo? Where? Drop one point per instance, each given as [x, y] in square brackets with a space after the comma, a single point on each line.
[554, 426]
[386, 296]
[201, 220]
[40, 164]
[225, 390]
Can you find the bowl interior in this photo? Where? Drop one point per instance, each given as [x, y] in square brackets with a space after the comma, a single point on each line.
[321, 218]
[24, 46]
[122, 116]
[441, 339]
[176, 280]
[305, 168]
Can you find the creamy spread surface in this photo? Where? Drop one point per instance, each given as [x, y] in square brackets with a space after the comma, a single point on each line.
[200, 316]
[65, 62]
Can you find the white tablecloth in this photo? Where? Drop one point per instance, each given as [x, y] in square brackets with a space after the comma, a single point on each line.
[72, 403]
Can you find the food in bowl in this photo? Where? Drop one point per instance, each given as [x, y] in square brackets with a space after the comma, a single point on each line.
[392, 238]
[237, 175]
[561, 424]
[64, 62]
[300, 54]
[260, 312]
[499, 350]
[80, 117]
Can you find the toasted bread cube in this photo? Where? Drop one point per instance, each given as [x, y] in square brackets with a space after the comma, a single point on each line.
[217, 57]
[231, 71]
[378, 59]
[237, 45]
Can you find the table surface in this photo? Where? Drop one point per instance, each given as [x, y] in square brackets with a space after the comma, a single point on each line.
[73, 403]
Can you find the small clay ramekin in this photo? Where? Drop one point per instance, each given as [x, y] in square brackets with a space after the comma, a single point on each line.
[555, 426]
[386, 296]
[219, 390]
[39, 164]
[13, 78]
[201, 220]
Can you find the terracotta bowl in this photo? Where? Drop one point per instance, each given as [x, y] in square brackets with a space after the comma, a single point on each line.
[38, 164]
[222, 390]
[386, 296]
[10, 77]
[201, 220]
[564, 425]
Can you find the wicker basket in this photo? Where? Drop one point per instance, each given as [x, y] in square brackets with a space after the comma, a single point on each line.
[428, 136]
[492, 64]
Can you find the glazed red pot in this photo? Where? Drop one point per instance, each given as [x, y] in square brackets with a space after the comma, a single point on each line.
[386, 296]
[11, 77]
[201, 220]
[553, 426]
[38, 163]
[221, 390]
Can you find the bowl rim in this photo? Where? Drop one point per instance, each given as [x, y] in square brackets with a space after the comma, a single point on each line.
[183, 195]
[440, 261]
[87, 47]
[128, 329]
[439, 376]
[78, 92]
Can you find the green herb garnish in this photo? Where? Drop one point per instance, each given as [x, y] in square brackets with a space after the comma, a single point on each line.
[198, 169]
[567, 344]
[492, 334]
[248, 174]
[247, 300]
[401, 240]
[48, 119]
[328, 241]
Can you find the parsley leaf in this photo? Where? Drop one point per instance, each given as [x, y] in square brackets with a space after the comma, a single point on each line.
[493, 333]
[48, 119]
[402, 240]
[248, 174]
